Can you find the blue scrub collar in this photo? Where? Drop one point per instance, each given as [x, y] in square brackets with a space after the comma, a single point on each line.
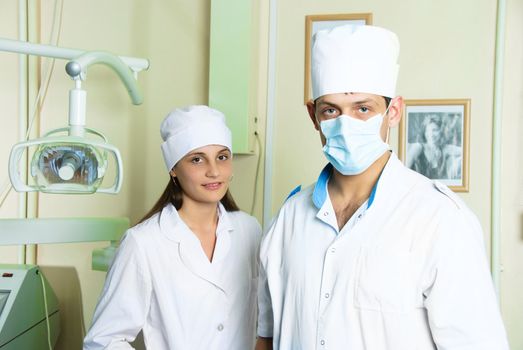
[320, 189]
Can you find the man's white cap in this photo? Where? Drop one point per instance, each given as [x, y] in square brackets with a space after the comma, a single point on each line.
[353, 58]
[186, 129]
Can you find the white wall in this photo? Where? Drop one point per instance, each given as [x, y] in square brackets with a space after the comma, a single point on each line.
[512, 177]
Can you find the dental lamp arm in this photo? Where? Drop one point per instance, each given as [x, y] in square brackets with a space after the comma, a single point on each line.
[78, 67]
[24, 47]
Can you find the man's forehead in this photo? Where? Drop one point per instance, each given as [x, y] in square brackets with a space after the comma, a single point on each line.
[350, 97]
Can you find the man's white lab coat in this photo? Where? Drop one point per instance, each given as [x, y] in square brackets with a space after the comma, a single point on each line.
[161, 281]
[408, 272]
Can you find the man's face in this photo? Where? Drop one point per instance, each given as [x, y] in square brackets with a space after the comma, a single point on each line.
[357, 105]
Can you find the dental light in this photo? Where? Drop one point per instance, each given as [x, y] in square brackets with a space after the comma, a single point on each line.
[73, 159]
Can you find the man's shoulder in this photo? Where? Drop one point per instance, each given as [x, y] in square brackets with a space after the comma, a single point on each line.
[433, 192]
[297, 205]
[303, 196]
[436, 198]
[443, 190]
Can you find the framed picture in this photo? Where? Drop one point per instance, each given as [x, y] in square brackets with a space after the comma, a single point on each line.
[313, 23]
[434, 140]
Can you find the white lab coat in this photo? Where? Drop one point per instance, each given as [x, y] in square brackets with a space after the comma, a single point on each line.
[409, 273]
[161, 281]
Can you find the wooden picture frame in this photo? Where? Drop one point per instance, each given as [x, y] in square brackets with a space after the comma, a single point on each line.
[313, 23]
[434, 140]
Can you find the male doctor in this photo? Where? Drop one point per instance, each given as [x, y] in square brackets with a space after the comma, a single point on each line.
[373, 256]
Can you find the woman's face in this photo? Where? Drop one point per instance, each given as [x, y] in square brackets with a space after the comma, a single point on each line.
[204, 173]
[432, 133]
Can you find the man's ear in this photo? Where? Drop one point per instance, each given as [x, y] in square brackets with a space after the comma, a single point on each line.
[311, 109]
[395, 111]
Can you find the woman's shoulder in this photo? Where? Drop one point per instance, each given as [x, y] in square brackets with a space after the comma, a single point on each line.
[145, 228]
[247, 221]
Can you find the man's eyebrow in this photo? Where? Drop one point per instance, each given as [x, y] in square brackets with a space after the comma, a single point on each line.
[365, 101]
[354, 103]
[327, 103]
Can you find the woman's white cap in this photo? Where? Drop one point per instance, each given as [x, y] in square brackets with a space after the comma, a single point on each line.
[353, 58]
[186, 129]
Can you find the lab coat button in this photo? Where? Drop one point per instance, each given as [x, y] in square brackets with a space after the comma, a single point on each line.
[220, 327]
[326, 213]
[327, 295]
[322, 342]
[333, 250]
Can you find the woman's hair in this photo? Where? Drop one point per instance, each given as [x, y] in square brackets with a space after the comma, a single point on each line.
[173, 194]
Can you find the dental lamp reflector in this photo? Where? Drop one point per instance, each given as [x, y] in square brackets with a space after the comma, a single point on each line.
[66, 164]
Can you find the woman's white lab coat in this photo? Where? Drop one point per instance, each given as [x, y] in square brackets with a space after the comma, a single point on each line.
[408, 273]
[161, 281]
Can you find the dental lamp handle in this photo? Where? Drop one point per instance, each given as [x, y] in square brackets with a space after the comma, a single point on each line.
[14, 160]
[117, 185]
[78, 67]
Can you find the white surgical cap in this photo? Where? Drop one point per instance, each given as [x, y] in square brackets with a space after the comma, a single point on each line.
[186, 129]
[352, 58]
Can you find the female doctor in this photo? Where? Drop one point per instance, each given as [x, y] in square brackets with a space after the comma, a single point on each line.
[186, 275]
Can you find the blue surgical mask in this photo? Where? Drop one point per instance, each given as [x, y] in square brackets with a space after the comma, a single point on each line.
[353, 144]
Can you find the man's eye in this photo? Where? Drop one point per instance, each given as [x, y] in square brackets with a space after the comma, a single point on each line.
[363, 109]
[329, 111]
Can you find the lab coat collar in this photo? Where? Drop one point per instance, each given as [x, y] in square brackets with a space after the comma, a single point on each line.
[190, 249]
[320, 193]
[175, 229]
[320, 189]
[394, 183]
[223, 235]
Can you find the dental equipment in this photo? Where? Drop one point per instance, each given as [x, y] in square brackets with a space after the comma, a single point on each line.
[29, 310]
[73, 159]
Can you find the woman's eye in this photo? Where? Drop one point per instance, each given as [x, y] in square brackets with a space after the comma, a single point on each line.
[223, 157]
[196, 160]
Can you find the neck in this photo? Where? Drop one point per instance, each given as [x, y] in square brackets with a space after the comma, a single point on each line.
[346, 190]
[199, 215]
[202, 219]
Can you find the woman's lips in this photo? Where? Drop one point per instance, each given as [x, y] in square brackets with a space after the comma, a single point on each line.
[213, 186]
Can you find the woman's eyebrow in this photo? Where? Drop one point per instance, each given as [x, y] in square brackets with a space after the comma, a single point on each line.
[225, 149]
[196, 154]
